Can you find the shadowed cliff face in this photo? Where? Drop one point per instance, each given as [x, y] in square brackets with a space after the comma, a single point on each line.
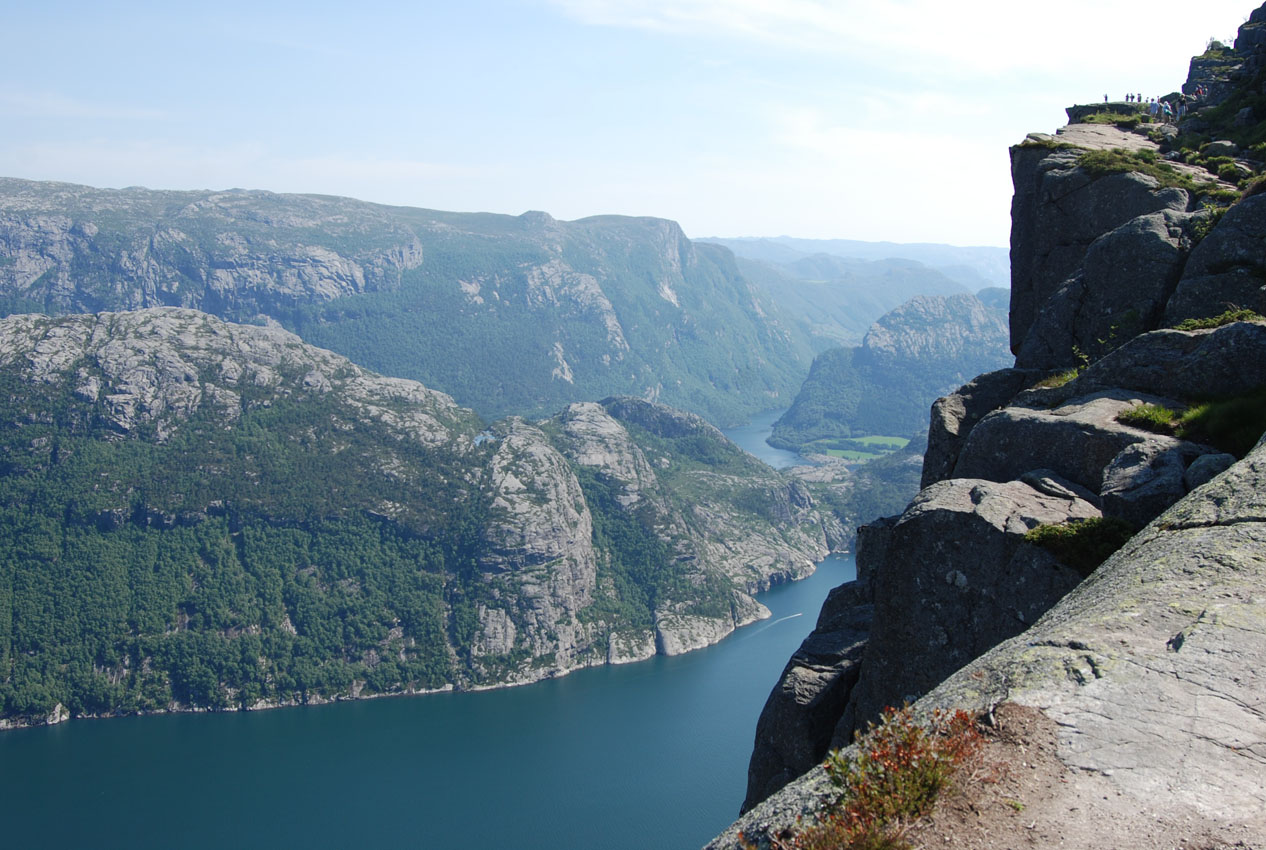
[968, 611]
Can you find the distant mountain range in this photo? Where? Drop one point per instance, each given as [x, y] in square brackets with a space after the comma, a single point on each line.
[834, 289]
[508, 314]
[925, 348]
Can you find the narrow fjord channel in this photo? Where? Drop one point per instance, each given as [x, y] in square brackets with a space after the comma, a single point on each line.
[652, 754]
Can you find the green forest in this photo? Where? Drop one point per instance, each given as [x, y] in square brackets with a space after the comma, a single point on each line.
[251, 559]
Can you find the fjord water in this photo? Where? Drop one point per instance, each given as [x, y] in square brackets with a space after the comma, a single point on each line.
[643, 755]
[751, 439]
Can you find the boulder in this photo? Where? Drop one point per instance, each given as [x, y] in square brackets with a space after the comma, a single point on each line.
[1205, 468]
[1225, 361]
[956, 579]
[1227, 269]
[1221, 147]
[954, 415]
[1146, 478]
[1077, 440]
[1121, 290]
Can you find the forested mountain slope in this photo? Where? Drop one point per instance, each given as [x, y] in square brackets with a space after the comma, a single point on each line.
[913, 354]
[510, 315]
[200, 514]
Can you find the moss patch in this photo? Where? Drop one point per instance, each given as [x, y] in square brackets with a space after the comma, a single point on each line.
[1082, 544]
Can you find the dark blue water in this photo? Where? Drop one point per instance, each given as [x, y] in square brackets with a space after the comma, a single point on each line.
[751, 439]
[647, 755]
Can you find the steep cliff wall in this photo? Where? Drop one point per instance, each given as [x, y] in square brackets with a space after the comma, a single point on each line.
[1105, 260]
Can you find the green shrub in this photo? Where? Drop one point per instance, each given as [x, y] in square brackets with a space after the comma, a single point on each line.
[1125, 122]
[1058, 379]
[1149, 417]
[1203, 227]
[1230, 173]
[1235, 314]
[1101, 163]
[1082, 544]
[1233, 425]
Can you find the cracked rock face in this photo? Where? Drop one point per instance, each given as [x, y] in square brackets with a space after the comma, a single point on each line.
[1227, 269]
[1124, 282]
[159, 366]
[540, 557]
[1057, 213]
[956, 579]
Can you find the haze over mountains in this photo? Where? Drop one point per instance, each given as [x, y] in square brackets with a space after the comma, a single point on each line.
[509, 315]
[261, 521]
[835, 288]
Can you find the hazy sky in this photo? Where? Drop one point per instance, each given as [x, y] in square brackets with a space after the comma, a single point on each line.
[862, 120]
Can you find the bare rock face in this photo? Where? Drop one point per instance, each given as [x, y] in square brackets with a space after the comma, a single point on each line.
[597, 440]
[1124, 282]
[956, 579]
[1227, 269]
[1149, 668]
[540, 560]
[798, 721]
[1079, 440]
[1057, 213]
[1225, 361]
[954, 415]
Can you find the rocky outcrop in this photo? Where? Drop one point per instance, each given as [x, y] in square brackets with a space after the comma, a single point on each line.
[967, 614]
[956, 578]
[1227, 269]
[1057, 213]
[1122, 288]
[954, 416]
[1149, 670]
[540, 558]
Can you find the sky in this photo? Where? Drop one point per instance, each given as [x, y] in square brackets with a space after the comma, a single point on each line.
[872, 120]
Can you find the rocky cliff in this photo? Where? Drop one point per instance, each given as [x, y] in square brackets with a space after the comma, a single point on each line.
[510, 315]
[1115, 429]
[201, 514]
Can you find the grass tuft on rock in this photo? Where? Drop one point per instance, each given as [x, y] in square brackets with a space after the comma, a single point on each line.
[1150, 417]
[1082, 544]
[1235, 314]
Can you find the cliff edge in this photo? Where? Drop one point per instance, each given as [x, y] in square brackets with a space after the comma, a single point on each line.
[1137, 294]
